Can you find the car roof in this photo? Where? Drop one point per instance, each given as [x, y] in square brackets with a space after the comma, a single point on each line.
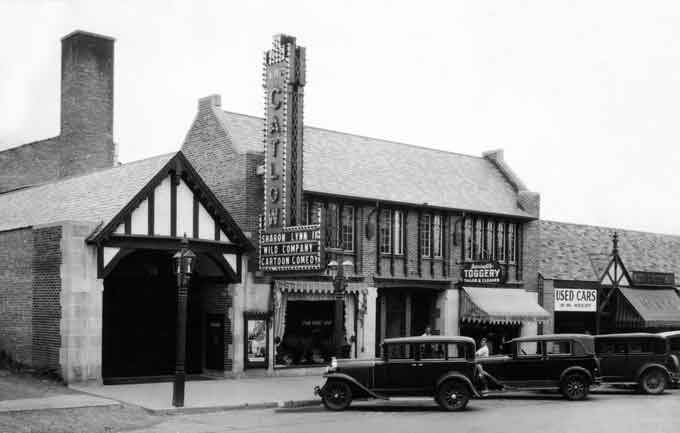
[630, 335]
[553, 337]
[430, 339]
[669, 333]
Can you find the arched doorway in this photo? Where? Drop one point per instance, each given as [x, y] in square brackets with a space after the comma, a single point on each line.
[140, 317]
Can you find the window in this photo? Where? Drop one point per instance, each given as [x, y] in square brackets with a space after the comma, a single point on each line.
[314, 213]
[558, 347]
[304, 218]
[512, 249]
[432, 351]
[425, 233]
[398, 232]
[401, 351]
[478, 239]
[490, 244]
[639, 347]
[468, 239]
[385, 232]
[455, 350]
[501, 242]
[528, 348]
[438, 235]
[348, 228]
[332, 225]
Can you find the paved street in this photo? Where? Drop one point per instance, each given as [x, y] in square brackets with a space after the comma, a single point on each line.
[604, 412]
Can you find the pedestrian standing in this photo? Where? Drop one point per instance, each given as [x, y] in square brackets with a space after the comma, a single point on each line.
[483, 350]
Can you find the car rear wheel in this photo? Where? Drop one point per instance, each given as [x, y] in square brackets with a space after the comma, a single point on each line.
[653, 381]
[575, 387]
[337, 395]
[452, 395]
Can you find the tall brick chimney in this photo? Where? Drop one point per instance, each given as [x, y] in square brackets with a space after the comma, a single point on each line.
[86, 103]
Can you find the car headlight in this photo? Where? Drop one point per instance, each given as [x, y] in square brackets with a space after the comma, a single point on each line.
[334, 363]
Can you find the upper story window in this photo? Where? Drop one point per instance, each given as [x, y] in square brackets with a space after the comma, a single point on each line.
[385, 231]
[488, 239]
[478, 239]
[512, 244]
[500, 236]
[348, 228]
[398, 232]
[468, 240]
[425, 236]
[332, 225]
[437, 235]
[304, 218]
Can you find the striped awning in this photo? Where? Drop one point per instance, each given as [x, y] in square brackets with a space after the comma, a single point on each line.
[302, 286]
[499, 305]
[648, 308]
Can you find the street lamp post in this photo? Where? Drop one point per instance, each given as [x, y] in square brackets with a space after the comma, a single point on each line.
[338, 276]
[183, 266]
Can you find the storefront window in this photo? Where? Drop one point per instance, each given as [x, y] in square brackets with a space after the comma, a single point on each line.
[348, 228]
[425, 233]
[256, 341]
[398, 232]
[385, 232]
[437, 235]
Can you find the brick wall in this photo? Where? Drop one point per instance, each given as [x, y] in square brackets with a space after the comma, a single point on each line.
[16, 295]
[46, 263]
[217, 299]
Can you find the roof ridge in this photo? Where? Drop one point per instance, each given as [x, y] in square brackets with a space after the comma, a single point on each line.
[65, 179]
[610, 228]
[401, 143]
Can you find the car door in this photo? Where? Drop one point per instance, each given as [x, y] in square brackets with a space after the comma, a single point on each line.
[526, 368]
[560, 355]
[401, 373]
[613, 359]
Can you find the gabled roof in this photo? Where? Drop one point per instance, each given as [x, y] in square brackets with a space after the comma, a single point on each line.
[350, 165]
[581, 252]
[93, 197]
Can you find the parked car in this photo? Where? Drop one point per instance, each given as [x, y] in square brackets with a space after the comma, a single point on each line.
[641, 359]
[435, 366]
[564, 362]
[673, 338]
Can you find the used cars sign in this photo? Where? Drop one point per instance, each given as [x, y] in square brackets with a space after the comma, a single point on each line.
[575, 299]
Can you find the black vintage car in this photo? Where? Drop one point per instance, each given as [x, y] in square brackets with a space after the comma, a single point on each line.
[435, 366]
[673, 338]
[564, 362]
[640, 359]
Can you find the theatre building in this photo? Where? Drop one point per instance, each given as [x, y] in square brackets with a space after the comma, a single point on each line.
[603, 280]
[427, 238]
[87, 287]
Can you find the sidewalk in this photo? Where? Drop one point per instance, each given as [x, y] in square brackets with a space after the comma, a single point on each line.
[210, 395]
[64, 401]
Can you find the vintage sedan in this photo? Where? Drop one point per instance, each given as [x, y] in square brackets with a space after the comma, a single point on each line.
[640, 359]
[564, 362]
[435, 366]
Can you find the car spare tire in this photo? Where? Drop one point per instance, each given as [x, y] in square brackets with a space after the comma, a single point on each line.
[336, 395]
[574, 386]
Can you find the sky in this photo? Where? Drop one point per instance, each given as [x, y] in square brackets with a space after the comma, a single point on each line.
[583, 96]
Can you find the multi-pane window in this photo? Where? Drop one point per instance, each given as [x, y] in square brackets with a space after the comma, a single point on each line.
[398, 233]
[478, 239]
[468, 239]
[500, 233]
[437, 235]
[385, 232]
[348, 228]
[332, 225]
[512, 248]
[304, 217]
[425, 236]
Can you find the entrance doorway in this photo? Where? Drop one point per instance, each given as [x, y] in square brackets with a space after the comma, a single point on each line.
[140, 320]
[214, 354]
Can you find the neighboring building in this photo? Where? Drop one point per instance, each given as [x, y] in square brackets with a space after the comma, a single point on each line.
[86, 277]
[412, 220]
[631, 284]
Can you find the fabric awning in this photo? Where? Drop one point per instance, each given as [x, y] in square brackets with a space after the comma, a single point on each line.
[656, 308]
[301, 286]
[499, 305]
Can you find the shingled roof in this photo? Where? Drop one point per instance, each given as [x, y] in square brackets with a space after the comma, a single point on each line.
[355, 166]
[93, 197]
[581, 252]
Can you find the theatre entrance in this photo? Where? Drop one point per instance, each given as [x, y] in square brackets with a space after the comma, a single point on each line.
[140, 319]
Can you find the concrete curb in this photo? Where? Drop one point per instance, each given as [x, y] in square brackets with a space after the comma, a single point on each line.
[208, 409]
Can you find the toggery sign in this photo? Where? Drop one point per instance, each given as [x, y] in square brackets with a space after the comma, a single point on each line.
[483, 273]
[291, 249]
[575, 300]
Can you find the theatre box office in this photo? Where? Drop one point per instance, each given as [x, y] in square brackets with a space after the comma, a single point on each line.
[603, 280]
[415, 238]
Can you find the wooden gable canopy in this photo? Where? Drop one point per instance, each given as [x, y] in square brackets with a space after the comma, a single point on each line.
[173, 204]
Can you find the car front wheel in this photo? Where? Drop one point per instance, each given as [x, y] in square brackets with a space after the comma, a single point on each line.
[653, 381]
[337, 395]
[575, 387]
[453, 395]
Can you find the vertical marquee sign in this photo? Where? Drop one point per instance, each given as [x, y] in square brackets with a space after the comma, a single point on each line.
[284, 80]
[285, 245]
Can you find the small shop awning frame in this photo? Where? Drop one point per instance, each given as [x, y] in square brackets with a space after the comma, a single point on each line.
[499, 306]
[648, 308]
